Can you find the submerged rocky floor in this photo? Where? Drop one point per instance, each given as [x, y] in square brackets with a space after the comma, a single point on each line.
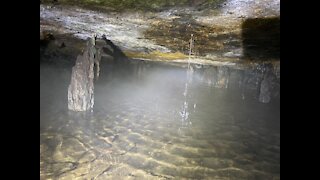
[136, 130]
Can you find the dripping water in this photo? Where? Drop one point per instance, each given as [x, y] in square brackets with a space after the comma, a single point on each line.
[184, 113]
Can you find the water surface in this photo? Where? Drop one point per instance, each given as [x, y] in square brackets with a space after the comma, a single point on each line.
[137, 129]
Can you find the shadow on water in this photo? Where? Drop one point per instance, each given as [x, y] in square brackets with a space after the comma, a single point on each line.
[261, 38]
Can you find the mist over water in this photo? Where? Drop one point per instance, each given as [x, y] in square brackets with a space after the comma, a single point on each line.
[157, 121]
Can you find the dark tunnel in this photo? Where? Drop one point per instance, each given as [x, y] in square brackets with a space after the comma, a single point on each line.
[261, 38]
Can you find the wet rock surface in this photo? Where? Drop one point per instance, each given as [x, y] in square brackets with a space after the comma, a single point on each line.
[217, 28]
[81, 88]
[259, 79]
[125, 30]
[268, 83]
[175, 34]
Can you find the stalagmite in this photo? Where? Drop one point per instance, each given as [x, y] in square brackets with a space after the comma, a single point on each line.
[81, 88]
[267, 82]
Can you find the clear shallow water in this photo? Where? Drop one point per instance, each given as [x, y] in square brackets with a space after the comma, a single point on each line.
[136, 130]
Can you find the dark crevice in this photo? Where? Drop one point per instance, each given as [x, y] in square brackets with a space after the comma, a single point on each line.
[261, 38]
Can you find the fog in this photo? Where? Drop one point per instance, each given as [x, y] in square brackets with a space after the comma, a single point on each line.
[136, 124]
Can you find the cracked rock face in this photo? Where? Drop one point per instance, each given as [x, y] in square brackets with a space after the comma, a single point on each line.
[125, 30]
[81, 88]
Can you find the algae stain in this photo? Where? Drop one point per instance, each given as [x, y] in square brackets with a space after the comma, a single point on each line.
[156, 55]
[175, 35]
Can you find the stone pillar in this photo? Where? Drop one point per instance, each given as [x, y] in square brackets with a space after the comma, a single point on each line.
[222, 77]
[266, 85]
[81, 88]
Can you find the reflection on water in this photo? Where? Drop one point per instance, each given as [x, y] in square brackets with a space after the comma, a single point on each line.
[135, 130]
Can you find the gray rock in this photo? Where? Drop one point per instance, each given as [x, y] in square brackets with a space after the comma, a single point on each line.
[265, 91]
[267, 84]
[222, 77]
[229, 54]
[216, 76]
[81, 88]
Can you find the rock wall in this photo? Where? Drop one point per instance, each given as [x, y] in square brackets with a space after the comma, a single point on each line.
[264, 79]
